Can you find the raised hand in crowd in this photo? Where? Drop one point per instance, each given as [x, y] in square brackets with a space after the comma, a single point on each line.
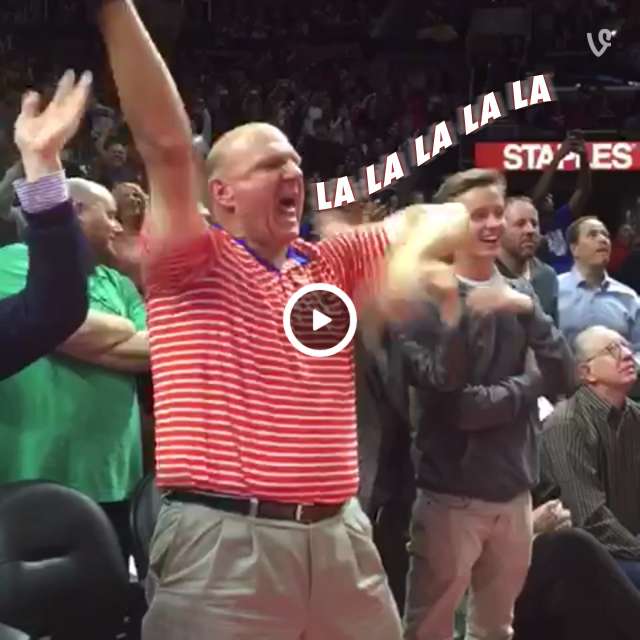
[41, 134]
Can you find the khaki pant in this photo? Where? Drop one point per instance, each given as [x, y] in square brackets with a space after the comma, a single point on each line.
[458, 543]
[230, 577]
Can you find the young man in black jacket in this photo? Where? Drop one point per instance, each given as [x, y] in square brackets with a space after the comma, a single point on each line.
[477, 433]
[54, 302]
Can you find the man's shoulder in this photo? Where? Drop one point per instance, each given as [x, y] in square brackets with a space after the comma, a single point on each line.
[14, 256]
[561, 419]
[633, 406]
[566, 281]
[618, 287]
[17, 249]
[308, 249]
[521, 285]
[543, 270]
[503, 269]
[107, 280]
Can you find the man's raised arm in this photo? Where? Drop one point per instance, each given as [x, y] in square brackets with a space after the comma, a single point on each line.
[158, 122]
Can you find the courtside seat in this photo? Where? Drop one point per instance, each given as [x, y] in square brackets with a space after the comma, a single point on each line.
[61, 569]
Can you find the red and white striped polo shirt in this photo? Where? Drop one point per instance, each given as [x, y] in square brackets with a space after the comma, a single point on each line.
[239, 410]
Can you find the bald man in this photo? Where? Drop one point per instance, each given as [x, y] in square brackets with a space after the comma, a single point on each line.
[73, 416]
[591, 447]
[259, 534]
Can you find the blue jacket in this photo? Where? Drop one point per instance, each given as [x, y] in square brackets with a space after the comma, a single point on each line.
[54, 302]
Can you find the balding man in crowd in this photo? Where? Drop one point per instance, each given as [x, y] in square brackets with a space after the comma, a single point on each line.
[259, 534]
[588, 295]
[73, 416]
[591, 447]
[519, 245]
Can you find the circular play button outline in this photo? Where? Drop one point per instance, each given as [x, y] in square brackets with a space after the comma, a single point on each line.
[328, 288]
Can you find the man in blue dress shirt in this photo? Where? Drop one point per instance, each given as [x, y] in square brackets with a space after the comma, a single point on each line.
[588, 296]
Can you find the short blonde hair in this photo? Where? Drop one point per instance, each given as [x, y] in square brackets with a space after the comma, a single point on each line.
[458, 183]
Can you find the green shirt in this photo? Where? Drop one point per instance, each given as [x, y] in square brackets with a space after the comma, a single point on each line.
[68, 421]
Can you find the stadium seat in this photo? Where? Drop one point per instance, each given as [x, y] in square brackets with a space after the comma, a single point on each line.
[9, 633]
[61, 568]
[145, 506]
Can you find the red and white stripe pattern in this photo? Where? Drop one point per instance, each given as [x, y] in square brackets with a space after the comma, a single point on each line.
[238, 410]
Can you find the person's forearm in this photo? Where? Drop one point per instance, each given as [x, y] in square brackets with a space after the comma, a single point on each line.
[130, 356]
[53, 303]
[165, 127]
[543, 186]
[485, 407]
[100, 333]
[162, 134]
[580, 197]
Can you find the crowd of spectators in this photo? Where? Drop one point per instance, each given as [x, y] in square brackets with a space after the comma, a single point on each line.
[346, 93]
[344, 97]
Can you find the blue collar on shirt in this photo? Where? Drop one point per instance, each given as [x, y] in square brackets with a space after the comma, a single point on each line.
[292, 252]
[607, 284]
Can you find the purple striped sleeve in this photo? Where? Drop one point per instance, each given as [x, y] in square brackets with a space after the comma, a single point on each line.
[43, 194]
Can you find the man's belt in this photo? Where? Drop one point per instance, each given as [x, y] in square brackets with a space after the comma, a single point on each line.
[303, 513]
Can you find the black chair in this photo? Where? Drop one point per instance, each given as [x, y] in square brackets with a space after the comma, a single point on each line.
[61, 568]
[9, 633]
[145, 507]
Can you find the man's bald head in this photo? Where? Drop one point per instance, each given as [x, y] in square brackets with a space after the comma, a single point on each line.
[88, 193]
[591, 340]
[256, 187]
[96, 209]
[236, 141]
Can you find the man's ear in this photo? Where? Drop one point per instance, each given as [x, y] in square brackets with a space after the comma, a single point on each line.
[222, 193]
[78, 208]
[584, 372]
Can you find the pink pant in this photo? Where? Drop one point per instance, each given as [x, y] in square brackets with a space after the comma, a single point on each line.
[457, 543]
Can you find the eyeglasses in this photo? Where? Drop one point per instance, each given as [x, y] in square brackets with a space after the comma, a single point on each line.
[615, 349]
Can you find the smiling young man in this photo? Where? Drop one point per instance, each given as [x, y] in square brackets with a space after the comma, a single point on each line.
[588, 296]
[477, 435]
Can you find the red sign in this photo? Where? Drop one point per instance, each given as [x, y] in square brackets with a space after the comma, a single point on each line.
[536, 156]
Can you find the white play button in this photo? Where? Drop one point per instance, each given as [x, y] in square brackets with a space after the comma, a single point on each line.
[320, 320]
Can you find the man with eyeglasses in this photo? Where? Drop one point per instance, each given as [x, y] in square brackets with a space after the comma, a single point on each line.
[591, 447]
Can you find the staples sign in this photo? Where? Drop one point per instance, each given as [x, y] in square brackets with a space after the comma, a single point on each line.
[536, 156]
